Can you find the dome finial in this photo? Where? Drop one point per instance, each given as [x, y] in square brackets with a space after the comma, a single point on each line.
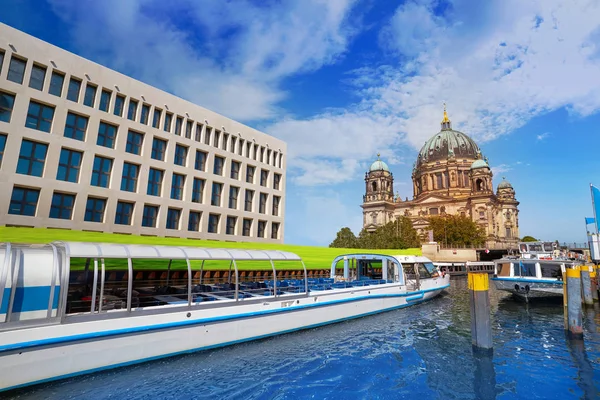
[446, 121]
[378, 155]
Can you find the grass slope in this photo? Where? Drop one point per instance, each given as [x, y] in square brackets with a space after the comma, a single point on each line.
[314, 257]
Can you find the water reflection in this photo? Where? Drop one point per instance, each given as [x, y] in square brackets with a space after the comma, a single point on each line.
[484, 381]
[585, 370]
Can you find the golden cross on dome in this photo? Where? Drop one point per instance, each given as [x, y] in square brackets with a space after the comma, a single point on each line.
[446, 119]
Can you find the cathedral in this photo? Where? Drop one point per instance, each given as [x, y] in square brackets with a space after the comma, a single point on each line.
[450, 176]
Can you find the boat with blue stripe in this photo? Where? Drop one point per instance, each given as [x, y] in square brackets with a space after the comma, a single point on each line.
[84, 307]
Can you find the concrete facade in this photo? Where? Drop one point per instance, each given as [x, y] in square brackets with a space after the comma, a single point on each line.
[36, 190]
[450, 177]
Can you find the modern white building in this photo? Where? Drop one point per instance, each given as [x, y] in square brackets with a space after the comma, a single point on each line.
[84, 147]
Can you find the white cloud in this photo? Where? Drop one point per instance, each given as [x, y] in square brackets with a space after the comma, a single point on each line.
[542, 136]
[501, 169]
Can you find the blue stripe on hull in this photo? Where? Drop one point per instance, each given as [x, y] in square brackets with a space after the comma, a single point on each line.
[96, 335]
[142, 360]
[556, 282]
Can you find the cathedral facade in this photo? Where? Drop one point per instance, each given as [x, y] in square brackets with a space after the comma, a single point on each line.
[450, 176]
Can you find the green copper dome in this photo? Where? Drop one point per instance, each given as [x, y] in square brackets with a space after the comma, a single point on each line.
[448, 143]
[379, 166]
[504, 184]
[479, 164]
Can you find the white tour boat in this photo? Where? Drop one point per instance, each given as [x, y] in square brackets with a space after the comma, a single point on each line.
[73, 308]
[537, 272]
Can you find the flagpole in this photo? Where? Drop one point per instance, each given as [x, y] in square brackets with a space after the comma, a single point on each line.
[594, 207]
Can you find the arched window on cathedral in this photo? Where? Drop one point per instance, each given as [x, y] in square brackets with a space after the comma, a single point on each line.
[479, 185]
[374, 186]
[466, 180]
[374, 218]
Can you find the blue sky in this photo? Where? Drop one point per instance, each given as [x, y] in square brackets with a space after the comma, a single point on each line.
[341, 80]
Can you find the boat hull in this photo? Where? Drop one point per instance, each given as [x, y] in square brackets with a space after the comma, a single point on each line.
[530, 288]
[69, 349]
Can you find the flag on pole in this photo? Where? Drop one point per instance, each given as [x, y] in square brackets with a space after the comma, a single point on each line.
[589, 220]
[595, 203]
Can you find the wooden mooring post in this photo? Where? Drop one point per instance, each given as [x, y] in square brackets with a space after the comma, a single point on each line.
[586, 285]
[573, 303]
[594, 282]
[481, 327]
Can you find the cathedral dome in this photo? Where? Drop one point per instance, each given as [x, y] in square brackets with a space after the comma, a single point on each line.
[479, 164]
[504, 184]
[379, 165]
[448, 143]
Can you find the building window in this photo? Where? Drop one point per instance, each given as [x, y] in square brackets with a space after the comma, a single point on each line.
[1, 60]
[32, 158]
[280, 159]
[508, 233]
[132, 110]
[178, 123]
[7, 101]
[433, 211]
[69, 165]
[159, 148]
[57, 81]
[101, 172]
[215, 199]
[200, 163]
[262, 205]
[177, 186]
[173, 216]
[207, 135]
[275, 230]
[156, 118]
[194, 221]
[213, 223]
[275, 209]
[255, 152]
[261, 229]
[155, 177]
[167, 124]
[241, 147]
[248, 145]
[233, 141]
[235, 170]
[268, 157]
[150, 216]
[198, 137]
[124, 213]
[274, 159]
[76, 126]
[276, 181]
[248, 200]
[16, 70]
[188, 129]
[105, 100]
[37, 77]
[134, 142]
[62, 205]
[107, 134]
[249, 174]
[438, 181]
[180, 155]
[73, 90]
[197, 190]
[39, 116]
[145, 114]
[119, 103]
[246, 227]
[233, 196]
[262, 154]
[224, 143]
[24, 201]
[218, 167]
[482, 215]
[2, 147]
[230, 228]
[130, 177]
[216, 139]
[90, 95]
[264, 176]
[94, 209]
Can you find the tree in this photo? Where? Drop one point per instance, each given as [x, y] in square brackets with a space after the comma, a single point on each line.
[345, 239]
[398, 234]
[528, 239]
[456, 230]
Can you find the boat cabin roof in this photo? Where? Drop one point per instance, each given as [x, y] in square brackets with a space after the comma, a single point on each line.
[113, 250]
[372, 256]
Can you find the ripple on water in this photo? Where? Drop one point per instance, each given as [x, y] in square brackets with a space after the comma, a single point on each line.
[417, 352]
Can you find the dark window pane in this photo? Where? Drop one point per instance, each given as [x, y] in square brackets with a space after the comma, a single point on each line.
[233, 196]
[197, 190]
[200, 163]
[39, 116]
[62, 206]
[180, 155]
[69, 165]
[7, 101]
[156, 118]
[130, 177]
[134, 142]
[16, 70]
[173, 216]
[194, 221]
[246, 227]
[132, 110]
[250, 174]
[215, 199]
[101, 171]
[155, 177]
[159, 147]
[32, 158]
[248, 200]
[124, 213]
[36, 80]
[235, 170]
[177, 186]
[23, 201]
[73, 91]
[105, 100]
[213, 223]
[150, 216]
[2, 147]
[119, 102]
[218, 167]
[94, 210]
[56, 84]
[76, 126]
[167, 125]
[90, 96]
[230, 226]
[107, 135]
[178, 123]
[145, 114]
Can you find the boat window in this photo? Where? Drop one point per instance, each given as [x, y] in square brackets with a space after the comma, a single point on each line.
[548, 247]
[503, 269]
[433, 272]
[409, 270]
[423, 271]
[524, 269]
[523, 248]
[370, 269]
[551, 270]
[535, 247]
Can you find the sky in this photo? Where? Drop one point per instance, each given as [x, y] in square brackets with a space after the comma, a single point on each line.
[343, 80]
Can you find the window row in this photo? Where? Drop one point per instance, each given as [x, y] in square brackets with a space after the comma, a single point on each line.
[40, 117]
[24, 202]
[135, 110]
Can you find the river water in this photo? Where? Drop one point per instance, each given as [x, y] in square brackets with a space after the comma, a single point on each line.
[421, 352]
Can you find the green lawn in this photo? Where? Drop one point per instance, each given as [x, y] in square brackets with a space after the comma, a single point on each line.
[314, 257]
